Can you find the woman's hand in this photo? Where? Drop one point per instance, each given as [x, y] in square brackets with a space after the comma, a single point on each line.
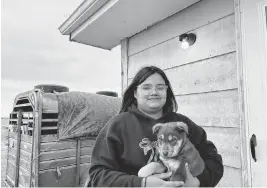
[151, 168]
[156, 180]
[190, 181]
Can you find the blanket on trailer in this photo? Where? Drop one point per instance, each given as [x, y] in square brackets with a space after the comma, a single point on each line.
[83, 114]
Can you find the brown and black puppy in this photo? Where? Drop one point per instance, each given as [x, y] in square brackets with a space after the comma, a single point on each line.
[175, 150]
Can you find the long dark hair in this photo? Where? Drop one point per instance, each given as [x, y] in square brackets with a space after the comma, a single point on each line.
[128, 98]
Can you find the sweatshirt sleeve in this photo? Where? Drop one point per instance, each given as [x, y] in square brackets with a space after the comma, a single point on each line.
[105, 169]
[214, 169]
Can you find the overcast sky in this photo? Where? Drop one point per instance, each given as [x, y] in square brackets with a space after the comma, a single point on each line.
[34, 52]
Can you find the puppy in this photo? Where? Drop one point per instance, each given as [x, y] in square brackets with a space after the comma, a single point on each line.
[175, 150]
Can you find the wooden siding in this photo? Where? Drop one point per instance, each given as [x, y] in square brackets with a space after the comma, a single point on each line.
[23, 163]
[23, 145]
[54, 138]
[62, 154]
[11, 171]
[24, 137]
[50, 146]
[48, 178]
[23, 154]
[24, 159]
[231, 178]
[203, 77]
[24, 177]
[198, 15]
[217, 37]
[59, 154]
[24, 174]
[44, 165]
[227, 141]
[215, 109]
[56, 150]
[53, 154]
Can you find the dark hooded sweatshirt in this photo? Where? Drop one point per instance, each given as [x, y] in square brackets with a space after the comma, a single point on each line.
[117, 156]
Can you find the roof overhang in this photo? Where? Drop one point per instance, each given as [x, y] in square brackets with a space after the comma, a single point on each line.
[104, 23]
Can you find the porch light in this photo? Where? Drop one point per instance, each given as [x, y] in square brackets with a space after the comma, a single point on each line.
[187, 40]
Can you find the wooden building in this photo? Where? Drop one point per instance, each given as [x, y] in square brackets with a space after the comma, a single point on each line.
[220, 82]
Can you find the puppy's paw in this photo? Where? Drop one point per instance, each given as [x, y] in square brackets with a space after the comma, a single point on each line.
[150, 169]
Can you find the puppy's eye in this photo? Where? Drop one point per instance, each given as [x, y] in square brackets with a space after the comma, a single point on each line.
[173, 142]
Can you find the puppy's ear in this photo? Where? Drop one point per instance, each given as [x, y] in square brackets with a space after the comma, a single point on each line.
[183, 126]
[156, 128]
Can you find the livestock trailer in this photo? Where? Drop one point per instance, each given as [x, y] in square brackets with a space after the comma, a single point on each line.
[51, 135]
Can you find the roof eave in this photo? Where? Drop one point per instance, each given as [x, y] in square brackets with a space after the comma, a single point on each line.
[80, 15]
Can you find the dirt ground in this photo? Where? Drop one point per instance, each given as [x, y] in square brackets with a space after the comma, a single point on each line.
[4, 133]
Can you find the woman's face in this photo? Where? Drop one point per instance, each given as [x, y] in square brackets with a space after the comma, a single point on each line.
[151, 94]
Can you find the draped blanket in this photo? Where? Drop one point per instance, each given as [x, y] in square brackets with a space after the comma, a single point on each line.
[83, 114]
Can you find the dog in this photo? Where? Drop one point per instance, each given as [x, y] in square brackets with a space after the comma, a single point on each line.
[175, 150]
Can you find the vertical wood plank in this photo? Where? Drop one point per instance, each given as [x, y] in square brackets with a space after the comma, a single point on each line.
[31, 162]
[11, 172]
[78, 162]
[255, 86]
[24, 177]
[8, 143]
[18, 148]
[38, 123]
[124, 64]
[245, 163]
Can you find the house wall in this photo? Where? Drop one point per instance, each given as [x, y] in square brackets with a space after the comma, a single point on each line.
[204, 76]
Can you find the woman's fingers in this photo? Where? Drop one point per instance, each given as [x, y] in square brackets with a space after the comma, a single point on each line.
[157, 182]
[162, 175]
[187, 170]
[174, 183]
[151, 168]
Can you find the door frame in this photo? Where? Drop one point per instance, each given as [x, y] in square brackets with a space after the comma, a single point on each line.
[244, 83]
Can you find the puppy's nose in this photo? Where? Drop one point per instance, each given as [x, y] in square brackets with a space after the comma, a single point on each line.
[165, 153]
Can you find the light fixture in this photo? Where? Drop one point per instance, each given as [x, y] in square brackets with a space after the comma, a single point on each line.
[187, 40]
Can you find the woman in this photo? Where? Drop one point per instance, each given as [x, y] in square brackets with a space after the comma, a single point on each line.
[118, 154]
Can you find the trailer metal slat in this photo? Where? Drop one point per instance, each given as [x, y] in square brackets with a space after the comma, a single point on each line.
[31, 120]
[22, 105]
[49, 120]
[13, 120]
[24, 120]
[18, 150]
[49, 128]
[14, 112]
[49, 111]
[45, 128]
[28, 114]
[23, 113]
[22, 98]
